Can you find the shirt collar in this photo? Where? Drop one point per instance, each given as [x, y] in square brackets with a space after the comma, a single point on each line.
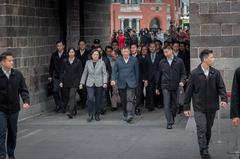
[171, 58]
[5, 71]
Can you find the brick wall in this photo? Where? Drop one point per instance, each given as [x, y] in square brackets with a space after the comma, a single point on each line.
[215, 24]
[29, 29]
[97, 21]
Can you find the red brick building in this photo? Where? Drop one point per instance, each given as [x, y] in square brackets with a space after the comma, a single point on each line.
[139, 14]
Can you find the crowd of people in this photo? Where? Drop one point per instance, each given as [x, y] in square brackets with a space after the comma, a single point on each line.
[127, 73]
[130, 74]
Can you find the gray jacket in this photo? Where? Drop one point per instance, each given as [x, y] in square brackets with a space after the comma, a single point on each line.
[94, 75]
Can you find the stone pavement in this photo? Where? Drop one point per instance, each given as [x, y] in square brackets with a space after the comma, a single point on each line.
[54, 136]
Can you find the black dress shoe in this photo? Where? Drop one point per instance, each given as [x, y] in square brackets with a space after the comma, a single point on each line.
[2, 157]
[169, 126]
[151, 109]
[90, 119]
[97, 118]
[11, 157]
[70, 116]
[113, 109]
[57, 109]
[103, 111]
[205, 155]
[138, 111]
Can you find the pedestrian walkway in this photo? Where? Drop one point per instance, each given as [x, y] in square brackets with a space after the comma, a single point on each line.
[54, 136]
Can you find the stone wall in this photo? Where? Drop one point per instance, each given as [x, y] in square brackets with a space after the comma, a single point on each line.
[215, 24]
[30, 28]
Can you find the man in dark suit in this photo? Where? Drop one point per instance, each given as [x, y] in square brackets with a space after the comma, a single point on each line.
[171, 74]
[142, 77]
[152, 60]
[205, 87]
[184, 53]
[177, 52]
[235, 101]
[83, 55]
[57, 61]
[159, 50]
[70, 82]
[12, 85]
[125, 74]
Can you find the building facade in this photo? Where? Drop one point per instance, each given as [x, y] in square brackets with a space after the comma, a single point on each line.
[139, 14]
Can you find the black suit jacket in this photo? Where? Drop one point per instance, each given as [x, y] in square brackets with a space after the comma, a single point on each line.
[143, 68]
[72, 74]
[56, 65]
[10, 89]
[84, 57]
[169, 77]
[205, 92]
[152, 68]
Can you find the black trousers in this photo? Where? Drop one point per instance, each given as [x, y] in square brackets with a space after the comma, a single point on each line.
[151, 95]
[204, 123]
[8, 128]
[57, 93]
[83, 96]
[139, 95]
[106, 98]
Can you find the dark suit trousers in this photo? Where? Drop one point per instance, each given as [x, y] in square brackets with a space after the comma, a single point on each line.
[83, 96]
[204, 123]
[139, 95]
[8, 128]
[127, 97]
[151, 95]
[170, 107]
[57, 93]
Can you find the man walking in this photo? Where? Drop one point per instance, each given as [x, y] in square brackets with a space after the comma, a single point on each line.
[12, 84]
[57, 61]
[126, 74]
[171, 74]
[205, 86]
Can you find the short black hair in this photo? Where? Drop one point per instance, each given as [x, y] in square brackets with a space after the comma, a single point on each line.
[205, 53]
[4, 55]
[81, 40]
[117, 51]
[168, 47]
[182, 42]
[125, 47]
[158, 41]
[134, 44]
[95, 50]
[108, 47]
[60, 41]
[152, 42]
[175, 42]
[71, 48]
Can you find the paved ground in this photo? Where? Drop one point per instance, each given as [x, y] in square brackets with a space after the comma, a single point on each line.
[53, 136]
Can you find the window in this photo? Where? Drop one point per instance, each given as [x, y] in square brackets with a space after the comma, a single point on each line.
[125, 23]
[134, 24]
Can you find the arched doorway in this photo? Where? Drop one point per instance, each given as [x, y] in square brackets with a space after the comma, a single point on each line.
[154, 24]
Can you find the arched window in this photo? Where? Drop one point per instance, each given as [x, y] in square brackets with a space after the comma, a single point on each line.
[155, 23]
